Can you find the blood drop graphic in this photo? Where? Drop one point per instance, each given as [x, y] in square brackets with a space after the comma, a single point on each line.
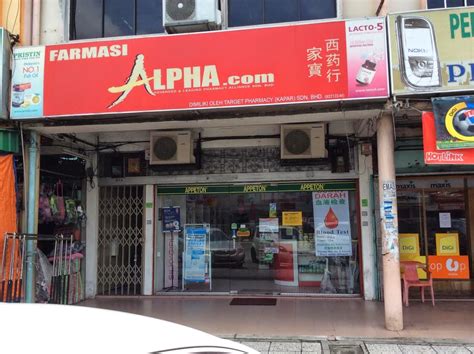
[331, 221]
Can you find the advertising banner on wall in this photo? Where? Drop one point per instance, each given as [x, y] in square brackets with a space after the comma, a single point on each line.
[435, 156]
[290, 64]
[454, 118]
[171, 219]
[332, 225]
[409, 245]
[447, 244]
[27, 82]
[449, 267]
[196, 253]
[4, 72]
[431, 51]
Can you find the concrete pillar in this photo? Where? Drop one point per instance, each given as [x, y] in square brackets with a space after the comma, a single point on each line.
[389, 224]
[369, 249]
[147, 288]
[26, 16]
[92, 230]
[36, 23]
[32, 214]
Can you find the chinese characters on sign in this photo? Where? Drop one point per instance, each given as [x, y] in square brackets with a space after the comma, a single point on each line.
[330, 64]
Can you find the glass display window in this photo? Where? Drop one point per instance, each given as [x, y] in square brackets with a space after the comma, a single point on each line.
[268, 238]
[435, 228]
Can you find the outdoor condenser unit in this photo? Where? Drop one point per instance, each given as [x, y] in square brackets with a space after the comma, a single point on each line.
[303, 141]
[180, 16]
[171, 147]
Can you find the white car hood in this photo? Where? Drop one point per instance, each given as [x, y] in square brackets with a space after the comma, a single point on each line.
[47, 328]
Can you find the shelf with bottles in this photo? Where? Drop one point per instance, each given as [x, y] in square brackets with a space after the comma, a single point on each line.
[312, 267]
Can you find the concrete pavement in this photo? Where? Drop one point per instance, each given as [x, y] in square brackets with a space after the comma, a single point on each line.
[293, 317]
[353, 346]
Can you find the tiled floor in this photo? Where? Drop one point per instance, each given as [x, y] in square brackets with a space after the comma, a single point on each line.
[302, 317]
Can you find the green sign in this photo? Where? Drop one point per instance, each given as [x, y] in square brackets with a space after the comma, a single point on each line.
[365, 203]
[432, 51]
[259, 188]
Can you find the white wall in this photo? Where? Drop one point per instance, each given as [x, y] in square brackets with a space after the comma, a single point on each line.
[140, 138]
[54, 20]
[405, 5]
[368, 8]
[359, 8]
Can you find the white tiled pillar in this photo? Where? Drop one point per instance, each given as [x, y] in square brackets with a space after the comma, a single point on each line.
[147, 288]
[369, 250]
[92, 230]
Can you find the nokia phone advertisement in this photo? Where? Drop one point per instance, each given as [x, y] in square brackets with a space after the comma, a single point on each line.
[432, 51]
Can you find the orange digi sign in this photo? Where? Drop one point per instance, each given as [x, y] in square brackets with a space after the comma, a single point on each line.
[449, 267]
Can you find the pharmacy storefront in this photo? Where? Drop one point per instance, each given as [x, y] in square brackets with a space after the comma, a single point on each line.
[214, 168]
[268, 238]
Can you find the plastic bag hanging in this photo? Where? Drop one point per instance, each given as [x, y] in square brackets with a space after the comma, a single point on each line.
[326, 284]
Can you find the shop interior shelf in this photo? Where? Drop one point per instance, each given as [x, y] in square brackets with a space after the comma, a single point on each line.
[310, 276]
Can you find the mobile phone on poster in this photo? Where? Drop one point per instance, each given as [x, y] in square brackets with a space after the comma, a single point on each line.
[419, 61]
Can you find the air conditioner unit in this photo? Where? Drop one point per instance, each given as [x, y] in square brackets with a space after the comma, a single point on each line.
[171, 147]
[180, 16]
[303, 141]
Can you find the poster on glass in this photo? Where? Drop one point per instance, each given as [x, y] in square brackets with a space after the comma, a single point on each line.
[332, 224]
[196, 255]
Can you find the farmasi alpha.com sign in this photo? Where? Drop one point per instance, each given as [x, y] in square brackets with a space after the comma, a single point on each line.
[311, 62]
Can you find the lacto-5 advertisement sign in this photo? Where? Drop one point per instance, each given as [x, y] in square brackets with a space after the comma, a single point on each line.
[266, 66]
[432, 51]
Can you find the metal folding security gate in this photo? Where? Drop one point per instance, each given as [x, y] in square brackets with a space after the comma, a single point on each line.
[119, 264]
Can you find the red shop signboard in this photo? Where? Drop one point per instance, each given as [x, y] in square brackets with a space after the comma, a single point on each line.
[432, 155]
[311, 62]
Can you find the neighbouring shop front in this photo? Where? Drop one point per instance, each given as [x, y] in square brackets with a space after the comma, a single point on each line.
[437, 215]
[429, 58]
[266, 238]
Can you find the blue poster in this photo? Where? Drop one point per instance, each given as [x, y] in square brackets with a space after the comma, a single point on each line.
[195, 260]
[171, 219]
[27, 83]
